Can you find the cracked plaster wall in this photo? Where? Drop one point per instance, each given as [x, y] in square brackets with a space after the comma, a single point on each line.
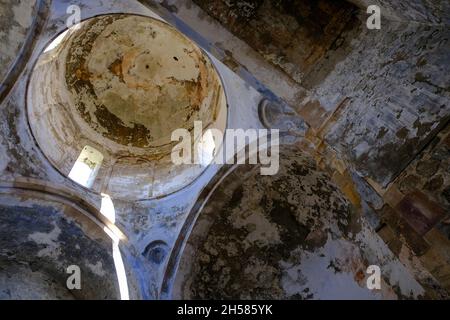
[39, 239]
[133, 92]
[421, 49]
[143, 222]
[298, 235]
[16, 18]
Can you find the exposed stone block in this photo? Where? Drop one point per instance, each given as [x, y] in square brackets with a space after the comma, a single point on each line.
[403, 231]
[420, 212]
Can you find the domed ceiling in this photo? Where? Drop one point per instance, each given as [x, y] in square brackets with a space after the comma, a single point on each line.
[133, 79]
[292, 235]
[120, 85]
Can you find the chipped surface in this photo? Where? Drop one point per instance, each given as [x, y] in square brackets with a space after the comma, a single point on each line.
[39, 236]
[283, 32]
[298, 235]
[354, 76]
[124, 84]
[16, 18]
[396, 102]
[132, 76]
[433, 12]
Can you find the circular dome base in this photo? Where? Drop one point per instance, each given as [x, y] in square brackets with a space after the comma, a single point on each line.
[106, 95]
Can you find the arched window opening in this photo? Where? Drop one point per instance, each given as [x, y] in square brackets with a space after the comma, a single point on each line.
[86, 167]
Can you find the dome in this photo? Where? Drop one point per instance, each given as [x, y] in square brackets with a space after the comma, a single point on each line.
[112, 90]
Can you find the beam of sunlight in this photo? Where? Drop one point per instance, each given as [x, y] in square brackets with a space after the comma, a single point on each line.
[108, 210]
[56, 42]
[120, 270]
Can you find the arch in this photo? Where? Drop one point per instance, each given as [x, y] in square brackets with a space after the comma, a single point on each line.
[49, 233]
[299, 236]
